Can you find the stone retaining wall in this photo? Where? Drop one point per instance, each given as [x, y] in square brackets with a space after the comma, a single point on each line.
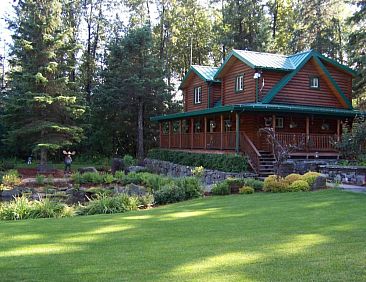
[302, 166]
[355, 175]
[176, 170]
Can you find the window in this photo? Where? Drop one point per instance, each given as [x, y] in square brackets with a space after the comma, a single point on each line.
[314, 82]
[197, 95]
[239, 83]
[279, 122]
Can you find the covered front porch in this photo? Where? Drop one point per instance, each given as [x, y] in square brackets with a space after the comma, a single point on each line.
[237, 131]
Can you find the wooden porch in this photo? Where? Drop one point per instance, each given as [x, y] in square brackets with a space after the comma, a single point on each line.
[239, 133]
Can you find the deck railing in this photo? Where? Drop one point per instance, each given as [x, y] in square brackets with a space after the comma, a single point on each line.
[213, 140]
[250, 150]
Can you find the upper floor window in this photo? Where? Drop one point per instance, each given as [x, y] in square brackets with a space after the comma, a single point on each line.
[198, 95]
[314, 82]
[239, 83]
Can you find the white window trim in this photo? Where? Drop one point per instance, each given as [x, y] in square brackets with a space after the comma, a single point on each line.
[312, 80]
[198, 95]
[239, 83]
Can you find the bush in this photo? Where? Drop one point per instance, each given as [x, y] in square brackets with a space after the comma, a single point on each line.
[153, 182]
[87, 177]
[146, 201]
[22, 208]
[310, 177]
[40, 179]
[108, 178]
[191, 186]
[198, 171]
[128, 160]
[291, 178]
[10, 178]
[246, 190]
[107, 205]
[254, 183]
[120, 176]
[77, 178]
[223, 162]
[299, 185]
[221, 188]
[275, 184]
[170, 193]
[99, 191]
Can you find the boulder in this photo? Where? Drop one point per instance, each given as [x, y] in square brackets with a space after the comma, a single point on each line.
[320, 183]
[87, 169]
[117, 165]
[136, 168]
[9, 194]
[132, 190]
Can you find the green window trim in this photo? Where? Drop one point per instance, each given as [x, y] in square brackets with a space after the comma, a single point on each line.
[311, 80]
[239, 88]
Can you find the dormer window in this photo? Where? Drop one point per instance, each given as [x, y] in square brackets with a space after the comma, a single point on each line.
[198, 95]
[239, 83]
[314, 82]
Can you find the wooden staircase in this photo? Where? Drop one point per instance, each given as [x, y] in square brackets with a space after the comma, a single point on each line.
[266, 161]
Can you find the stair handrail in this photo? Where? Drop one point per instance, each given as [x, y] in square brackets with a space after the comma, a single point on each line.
[251, 151]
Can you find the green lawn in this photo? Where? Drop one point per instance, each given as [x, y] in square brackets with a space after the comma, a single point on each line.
[319, 236]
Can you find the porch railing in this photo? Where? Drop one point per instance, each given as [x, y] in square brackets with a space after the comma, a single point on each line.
[312, 142]
[250, 150]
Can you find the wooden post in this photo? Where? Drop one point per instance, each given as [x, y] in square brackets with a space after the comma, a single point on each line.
[170, 134]
[274, 123]
[160, 133]
[180, 133]
[192, 131]
[205, 128]
[222, 131]
[237, 131]
[307, 130]
[338, 130]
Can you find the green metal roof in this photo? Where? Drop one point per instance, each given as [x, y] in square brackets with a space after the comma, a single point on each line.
[260, 60]
[206, 73]
[257, 107]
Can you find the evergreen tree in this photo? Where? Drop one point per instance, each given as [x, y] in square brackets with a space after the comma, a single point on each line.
[357, 51]
[133, 90]
[42, 106]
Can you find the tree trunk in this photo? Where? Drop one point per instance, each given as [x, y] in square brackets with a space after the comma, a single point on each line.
[43, 157]
[140, 132]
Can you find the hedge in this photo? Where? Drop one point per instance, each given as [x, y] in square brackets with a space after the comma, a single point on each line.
[222, 162]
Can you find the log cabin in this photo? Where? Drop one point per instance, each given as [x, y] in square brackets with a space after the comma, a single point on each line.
[304, 97]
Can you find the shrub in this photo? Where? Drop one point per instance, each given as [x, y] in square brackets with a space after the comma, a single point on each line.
[275, 184]
[221, 188]
[293, 177]
[146, 200]
[22, 208]
[153, 182]
[198, 171]
[128, 160]
[254, 183]
[106, 205]
[120, 176]
[40, 179]
[310, 177]
[77, 178]
[108, 178]
[99, 191]
[191, 186]
[132, 177]
[299, 185]
[246, 190]
[223, 162]
[92, 177]
[11, 178]
[170, 193]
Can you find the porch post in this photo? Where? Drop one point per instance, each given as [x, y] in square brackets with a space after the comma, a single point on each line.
[170, 134]
[192, 129]
[160, 133]
[307, 129]
[237, 130]
[274, 123]
[222, 131]
[205, 128]
[180, 133]
[338, 130]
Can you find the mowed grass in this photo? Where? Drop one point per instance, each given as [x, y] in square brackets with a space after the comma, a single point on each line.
[318, 236]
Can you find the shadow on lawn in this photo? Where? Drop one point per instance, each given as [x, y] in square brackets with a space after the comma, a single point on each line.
[261, 237]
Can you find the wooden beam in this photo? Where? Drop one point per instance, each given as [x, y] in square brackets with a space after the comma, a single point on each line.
[180, 133]
[338, 130]
[170, 134]
[192, 131]
[307, 126]
[205, 129]
[237, 132]
[274, 123]
[222, 131]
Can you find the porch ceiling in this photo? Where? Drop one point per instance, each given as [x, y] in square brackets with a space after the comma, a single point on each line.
[258, 107]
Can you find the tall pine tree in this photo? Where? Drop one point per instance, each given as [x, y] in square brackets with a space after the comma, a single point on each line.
[42, 106]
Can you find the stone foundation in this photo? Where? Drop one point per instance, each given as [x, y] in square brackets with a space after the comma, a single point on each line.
[354, 175]
[175, 170]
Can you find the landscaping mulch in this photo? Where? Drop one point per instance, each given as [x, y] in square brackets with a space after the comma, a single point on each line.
[33, 172]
